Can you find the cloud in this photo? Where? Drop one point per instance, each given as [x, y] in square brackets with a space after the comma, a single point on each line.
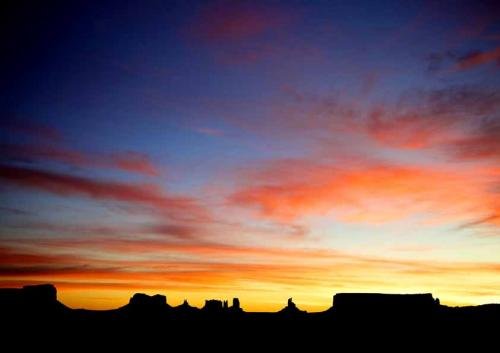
[481, 221]
[230, 22]
[14, 211]
[180, 231]
[436, 61]
[483, 142]
[133, 162]
[13, 256]
[209, 131]
[409, 130]
[239, 33]
[259, 272]
[478, 58]
[430, 118]
[138, 194]
[127, 161]
[19, 125]
[427, 153]
[210, 250]
[58, 253]
[371, 192]
[331, 122]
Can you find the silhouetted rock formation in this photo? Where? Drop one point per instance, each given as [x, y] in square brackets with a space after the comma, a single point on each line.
[147, 307]
[236, 306]
[30, 308]
[376, 304]
[43, 293]
[31, 303]
[34, 296]
[291, 309]
[213, 306]
[185, 310]
[147, 301]
[38, 294]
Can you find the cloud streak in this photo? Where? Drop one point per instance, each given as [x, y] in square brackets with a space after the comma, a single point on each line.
[373, 192]
[127, 161]
[229, 22]
[146, 195]
[478, 58]
[15, 124]
[296, 269]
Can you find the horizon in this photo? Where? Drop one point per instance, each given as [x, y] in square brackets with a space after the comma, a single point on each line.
[43, 291]
[253, 148]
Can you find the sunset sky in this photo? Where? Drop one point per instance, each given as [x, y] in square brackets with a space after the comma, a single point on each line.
[260, 150]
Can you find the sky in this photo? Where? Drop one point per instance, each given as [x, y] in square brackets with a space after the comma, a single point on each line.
[260, 150]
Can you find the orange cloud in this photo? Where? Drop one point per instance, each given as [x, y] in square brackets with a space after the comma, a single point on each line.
[366, 193]
[11, 256]
[297, 272]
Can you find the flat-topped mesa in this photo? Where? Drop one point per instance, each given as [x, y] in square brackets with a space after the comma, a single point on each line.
[213, 306]
[377, 303]
[46, 293]
[141, 300]
[42, 294]
[31, 300]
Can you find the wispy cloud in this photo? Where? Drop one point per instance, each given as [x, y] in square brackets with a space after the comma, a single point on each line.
[432, 118]
[263, 270]
[373, 192]
[149, 195]
[478, 58]
[481, 221]
[16, 124]
[239, 33]
[126, 161]
[482, 142]
[209, 131]
[229, 21]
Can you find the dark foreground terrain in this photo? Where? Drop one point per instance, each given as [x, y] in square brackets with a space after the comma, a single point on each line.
[34, 313]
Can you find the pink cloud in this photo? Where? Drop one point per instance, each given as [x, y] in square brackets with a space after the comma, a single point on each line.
[241, 33]
[229, 21]
[132, 162]
[26, 127]
[483, 142]
[479, 58]
[68, 185]
[430, 119]
[126, 161]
